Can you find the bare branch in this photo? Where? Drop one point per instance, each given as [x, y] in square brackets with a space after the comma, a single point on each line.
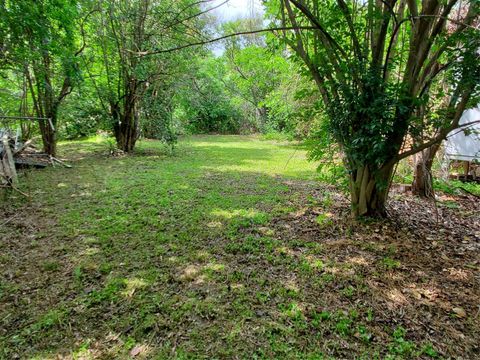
[463, 127]
[210, 41]
[443, 133]
[177, 22]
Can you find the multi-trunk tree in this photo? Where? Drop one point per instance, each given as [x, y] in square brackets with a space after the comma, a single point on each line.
[121, 32]
[377, 64]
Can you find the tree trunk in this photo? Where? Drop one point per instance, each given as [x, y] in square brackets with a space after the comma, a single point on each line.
[125, 117]
[49, 136]
[46, 104]
[126, 130]
[369, 191]
[423, 179]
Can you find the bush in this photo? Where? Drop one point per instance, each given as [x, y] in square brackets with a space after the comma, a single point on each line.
[157, 119]
[277, 136]
[75, 128]
[81, 116]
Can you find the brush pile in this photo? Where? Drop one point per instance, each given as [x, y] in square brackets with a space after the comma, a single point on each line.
[16, 154]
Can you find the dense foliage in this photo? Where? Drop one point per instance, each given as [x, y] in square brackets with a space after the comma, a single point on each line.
[378, 67]
[40, 48]
[372, 81]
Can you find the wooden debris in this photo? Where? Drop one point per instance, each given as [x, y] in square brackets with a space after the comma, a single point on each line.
[27, 144]
[8, 171]
[14, 154]
[55, 160]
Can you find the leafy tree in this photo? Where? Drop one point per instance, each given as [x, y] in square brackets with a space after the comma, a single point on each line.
[122, 32]
[81, 114]
[40, 41]
[253, 71]
[293, 105]
[158, 108]
[443, 93]
[376, 65]
[203, 103]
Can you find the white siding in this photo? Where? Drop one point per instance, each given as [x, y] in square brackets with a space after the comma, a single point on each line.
[459, 146]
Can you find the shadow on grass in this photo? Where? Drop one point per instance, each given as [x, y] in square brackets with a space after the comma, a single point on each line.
[182, 255]
[126, 257]
[121, 225]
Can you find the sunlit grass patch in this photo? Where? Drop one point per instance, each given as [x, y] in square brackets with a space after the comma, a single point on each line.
[255, 216]
[216, 250]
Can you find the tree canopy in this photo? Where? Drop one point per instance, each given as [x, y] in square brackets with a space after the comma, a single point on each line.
[382, 80]
[380, 68]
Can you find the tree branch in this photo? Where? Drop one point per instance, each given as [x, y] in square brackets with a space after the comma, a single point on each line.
[319, 26]
[443, 133]
[210, 41]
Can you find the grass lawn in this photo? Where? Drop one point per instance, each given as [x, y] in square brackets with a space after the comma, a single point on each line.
[229, 248]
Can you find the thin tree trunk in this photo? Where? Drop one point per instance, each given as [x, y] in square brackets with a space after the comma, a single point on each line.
[423, 180]
[48, 127]
[369, 191]
[49, 136]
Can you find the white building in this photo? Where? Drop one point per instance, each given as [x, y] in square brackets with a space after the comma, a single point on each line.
[464, 143]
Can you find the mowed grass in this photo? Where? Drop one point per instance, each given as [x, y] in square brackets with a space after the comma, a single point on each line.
[157, 255]
[131, 250]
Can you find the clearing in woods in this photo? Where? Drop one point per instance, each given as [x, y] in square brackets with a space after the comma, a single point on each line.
[229, 248]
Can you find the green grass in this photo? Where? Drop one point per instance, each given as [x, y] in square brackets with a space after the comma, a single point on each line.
[137, 231]
[178, 254]
[455, 187]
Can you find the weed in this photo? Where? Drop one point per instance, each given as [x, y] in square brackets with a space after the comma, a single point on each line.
[50, 266]
[454, 187]
[324, 220]
[105, 268]
[363, 333]
[318, 318]
[369, 315]
[251, 245]
[263, 297]
[78, 274]
[343, 326]
[399, 345]
[450, 204]
[429, 351]
[390, 263]
[50, 319]
[327, 200]
[109, 293]
[349, 291]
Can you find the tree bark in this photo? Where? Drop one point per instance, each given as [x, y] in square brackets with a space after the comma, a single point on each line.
[369, 191]
[126, 134]
[46, 103]
[49, 136]
[126, 126]
[48, 128]
[423, 179]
